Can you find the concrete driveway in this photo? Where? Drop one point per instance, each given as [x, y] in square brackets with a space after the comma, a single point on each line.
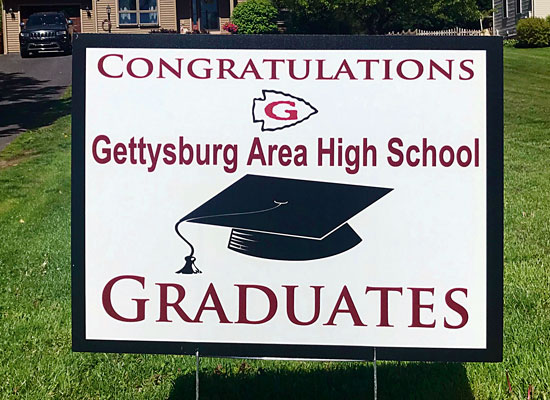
[30, 91]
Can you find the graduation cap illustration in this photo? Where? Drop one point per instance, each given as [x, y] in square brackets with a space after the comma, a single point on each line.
[284, 219]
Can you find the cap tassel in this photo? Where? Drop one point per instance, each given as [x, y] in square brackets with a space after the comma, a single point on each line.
[189, 267]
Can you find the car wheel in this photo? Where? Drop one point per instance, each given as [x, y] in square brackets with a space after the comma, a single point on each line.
[69, 51]
[24, 54]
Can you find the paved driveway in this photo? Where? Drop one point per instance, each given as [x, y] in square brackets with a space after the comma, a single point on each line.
[30, 91]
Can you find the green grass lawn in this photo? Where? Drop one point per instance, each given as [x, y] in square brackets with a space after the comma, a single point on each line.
[36, 360]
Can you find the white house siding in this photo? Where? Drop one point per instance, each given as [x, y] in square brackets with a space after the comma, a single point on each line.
[541, 8]
[12, 32]
[87, 21]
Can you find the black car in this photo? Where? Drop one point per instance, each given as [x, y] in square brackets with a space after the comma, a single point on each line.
[46, 32]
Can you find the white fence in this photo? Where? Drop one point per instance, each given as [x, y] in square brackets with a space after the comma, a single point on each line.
[446, 32]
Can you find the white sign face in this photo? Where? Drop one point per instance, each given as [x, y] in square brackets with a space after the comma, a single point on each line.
[311, 197]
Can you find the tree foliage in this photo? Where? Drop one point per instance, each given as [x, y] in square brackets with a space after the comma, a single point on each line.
[255, 16]
[378, 16]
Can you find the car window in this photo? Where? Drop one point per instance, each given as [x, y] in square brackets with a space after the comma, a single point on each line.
[36, 20]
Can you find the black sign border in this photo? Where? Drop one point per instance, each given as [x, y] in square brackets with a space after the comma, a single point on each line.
[494, 101]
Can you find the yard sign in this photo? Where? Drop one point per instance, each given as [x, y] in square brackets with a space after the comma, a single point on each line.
[278, 196]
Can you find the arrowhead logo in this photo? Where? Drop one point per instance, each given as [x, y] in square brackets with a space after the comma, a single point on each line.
[278, 110]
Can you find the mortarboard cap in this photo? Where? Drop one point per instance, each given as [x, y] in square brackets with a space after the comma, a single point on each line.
[287, 219]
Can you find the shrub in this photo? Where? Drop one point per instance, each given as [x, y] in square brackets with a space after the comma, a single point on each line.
[510, 43]
[533, 32]
[255, 16]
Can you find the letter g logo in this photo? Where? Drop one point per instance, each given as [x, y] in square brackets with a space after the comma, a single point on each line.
[292, 115]
[278, 110]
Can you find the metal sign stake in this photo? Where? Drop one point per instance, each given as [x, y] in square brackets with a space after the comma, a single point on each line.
[197, 375]
[375, 377]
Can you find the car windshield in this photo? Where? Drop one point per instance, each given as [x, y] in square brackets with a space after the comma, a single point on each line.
[53, 19]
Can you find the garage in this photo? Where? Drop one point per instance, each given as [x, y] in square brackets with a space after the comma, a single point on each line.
[72, 11]
[119, 16]
[17, 11]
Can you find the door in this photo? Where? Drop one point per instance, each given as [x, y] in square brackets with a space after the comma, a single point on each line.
[209, 15]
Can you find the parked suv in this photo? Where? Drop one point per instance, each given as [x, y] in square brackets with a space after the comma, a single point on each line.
[46, 32]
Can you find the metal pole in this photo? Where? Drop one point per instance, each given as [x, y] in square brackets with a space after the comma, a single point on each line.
[375, 377]
[197, 375]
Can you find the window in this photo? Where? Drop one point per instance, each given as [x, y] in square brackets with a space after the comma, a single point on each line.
[505, 8]
[137, 12]
[518, 7]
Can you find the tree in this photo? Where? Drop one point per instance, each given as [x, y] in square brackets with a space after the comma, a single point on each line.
[377, 16]
[316, 16]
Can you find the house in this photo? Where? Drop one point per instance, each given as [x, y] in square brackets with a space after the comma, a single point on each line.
[508, 12]
[120, 16]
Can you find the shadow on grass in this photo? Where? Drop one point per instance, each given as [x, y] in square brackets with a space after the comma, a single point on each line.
[28, 103]
[352, 381]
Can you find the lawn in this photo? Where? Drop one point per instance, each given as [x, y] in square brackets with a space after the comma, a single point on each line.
[35, 333]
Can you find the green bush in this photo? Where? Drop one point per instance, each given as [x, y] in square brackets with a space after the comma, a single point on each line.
[533, 32]
[255, 16]
[510, 43]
